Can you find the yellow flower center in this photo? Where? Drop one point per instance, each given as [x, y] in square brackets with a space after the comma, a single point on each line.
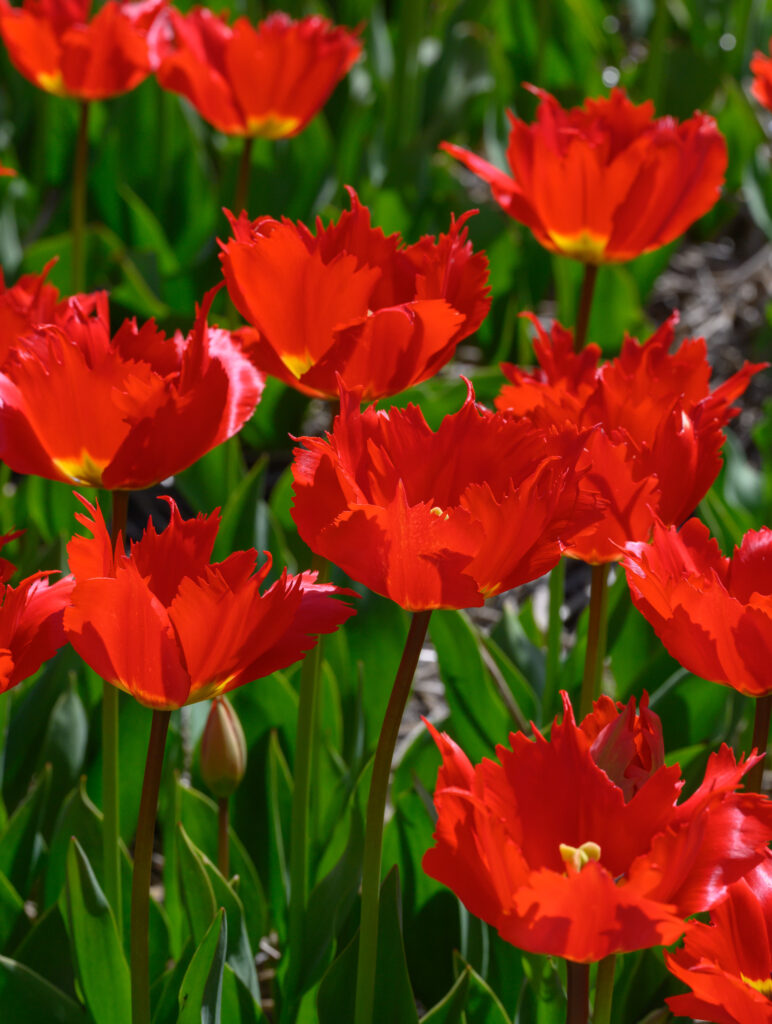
[584, 246]
[437, 511]
[83, 470]
[763, 985]
[51, 81]
[578, 856]
[272, 126]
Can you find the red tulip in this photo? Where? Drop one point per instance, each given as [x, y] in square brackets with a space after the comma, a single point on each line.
[605, 182]
[714, 614]
[267, 81]
[55, 46]
[656, 445]
[167, 627]
[350, 302]
[438, 520]
[728, 963]
[761, 87]
[27, 304]
[120, 413]
[7, 172]
[31, 614]
[578, 849]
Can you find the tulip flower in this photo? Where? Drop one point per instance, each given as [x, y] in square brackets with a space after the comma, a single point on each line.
[265, 82]
[577, 847]
[167, 627]
[728, 963]
[605, 182]
[121, 413]
[27, 304]
[31, 615]
[350, 301]
[223, 749]
[438, 520]
[7, 172]
[655, 448]
[54, 45]
[714, 614]
[761, 87]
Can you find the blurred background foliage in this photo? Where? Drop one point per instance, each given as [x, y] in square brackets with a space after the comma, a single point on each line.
[158, 179]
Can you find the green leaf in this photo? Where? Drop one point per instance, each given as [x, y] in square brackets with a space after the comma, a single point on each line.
[238, 1004]
[202, 985]
[164, 995]
[479, 717]
[41, 950]
[449, 1010]
[26, 996]
[17, 841]
[239, 954]
[11, 911]
[238, 527]
[64, 747]
[394, 1001]
[101, 965]
[197, 891]
[198, 813]
[482, 1005]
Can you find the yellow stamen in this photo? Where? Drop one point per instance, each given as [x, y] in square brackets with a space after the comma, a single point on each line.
[763, 985]
[584, 246]
[578, 856]
[272, 126]
[437, 511]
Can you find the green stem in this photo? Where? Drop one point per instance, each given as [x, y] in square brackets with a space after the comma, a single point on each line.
[656, 61]
[585, 304]
[743, 9]
[376, 806]
[554, 632]
[604, 990]
[111, 825]
[242, 180]
[143, 857]
[223, 844]
[578, 976]
[299, 829]
[79, 179]
[596, 639]
[754, 778]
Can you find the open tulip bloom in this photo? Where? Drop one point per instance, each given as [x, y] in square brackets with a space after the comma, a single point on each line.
[577, 847]
[728, 963]
[167, 627]
[31, 614]
[761, 87]
[55, 46]
[125, 412]
[656, 427]
[352, 302]
[714, 614]
[263, 82]
[605, 182]
[439, 520]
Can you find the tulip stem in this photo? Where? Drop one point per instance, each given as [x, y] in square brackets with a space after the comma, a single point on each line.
[754, 778]
[111, 823]
[557, 584]
[596, 639]
[585, 304]
[604, 990]
[578, 976]
[376, 806]
[79, 179]
[242, 181]
[310, 673]
[223, 843]
[143, 858]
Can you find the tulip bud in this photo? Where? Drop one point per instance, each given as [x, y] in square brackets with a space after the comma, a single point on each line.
[223, 749]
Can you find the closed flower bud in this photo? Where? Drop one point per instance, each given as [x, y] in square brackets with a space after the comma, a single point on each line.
[223, 749]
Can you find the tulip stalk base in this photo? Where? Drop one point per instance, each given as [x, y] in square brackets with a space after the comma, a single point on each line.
[111, 825]
[763, 712]
[143, 857]
[79, 179]
[578, 976]
[604, 990]
[596, 639]
[376, 806]
[585, 304]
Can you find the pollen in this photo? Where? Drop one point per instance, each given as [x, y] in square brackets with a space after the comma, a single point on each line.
[578, 856]
[82, 470]
[440, 513]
